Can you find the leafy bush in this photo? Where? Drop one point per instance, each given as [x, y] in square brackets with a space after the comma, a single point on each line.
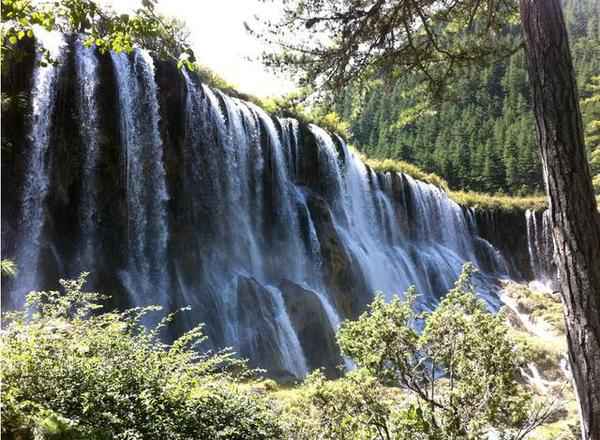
[69, 371]
[353, 407]
[294, 105]
[458, 378]
[8, 268]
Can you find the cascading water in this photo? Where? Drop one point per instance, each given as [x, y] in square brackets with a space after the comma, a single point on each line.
[146, 273]
[273, 231]
[36, 180]
[428, 255]
[541, 249]
[86, 67]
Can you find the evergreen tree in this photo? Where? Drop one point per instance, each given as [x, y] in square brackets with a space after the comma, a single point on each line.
[490, 111]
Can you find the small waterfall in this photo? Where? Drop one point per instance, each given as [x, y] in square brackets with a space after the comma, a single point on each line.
[289, 345]
[486, 253]
[146, 274]
[541, 249]
[532, 243]
[36, 178]
[86, 67]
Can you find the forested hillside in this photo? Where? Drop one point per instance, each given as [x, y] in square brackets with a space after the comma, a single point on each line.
[484, 137]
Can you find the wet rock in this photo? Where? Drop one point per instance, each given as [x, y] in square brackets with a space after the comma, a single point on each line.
[308, 160]
[309, 319]
[403, 204]
[507, 232]
[258, 329]
[343, 275]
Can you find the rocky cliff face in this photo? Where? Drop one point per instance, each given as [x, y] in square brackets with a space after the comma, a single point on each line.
[171, 193]
[507, 232]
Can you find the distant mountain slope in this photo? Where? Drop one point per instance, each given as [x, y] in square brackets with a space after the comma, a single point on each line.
[484, 138]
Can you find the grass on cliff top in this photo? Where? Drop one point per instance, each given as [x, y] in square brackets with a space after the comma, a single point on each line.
[500, 202]
[398, 166]
[469, 199]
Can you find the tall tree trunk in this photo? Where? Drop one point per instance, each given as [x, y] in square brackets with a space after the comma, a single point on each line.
[574, 215]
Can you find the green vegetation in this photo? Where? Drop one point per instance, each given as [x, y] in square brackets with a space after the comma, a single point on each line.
[72, 371]
[500, 202]
[101, 26]
[538, 305]
[368, 403]
[479, 389]
[8, 268]
[292, 105]
[546, 353]
[398, 166]
[590, 106]
[482, 136]
[544, 310]
[470, 199]
[398, 390]
[69, 371]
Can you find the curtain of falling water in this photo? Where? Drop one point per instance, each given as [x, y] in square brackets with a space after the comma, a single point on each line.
[146, 275]
[247, 225]
[86, 67]
[36, 180]
[541, 248]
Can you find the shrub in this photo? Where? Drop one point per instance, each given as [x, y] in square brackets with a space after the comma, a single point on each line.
[8, 268]
[458, 378]
[355, 406]
[69, 370]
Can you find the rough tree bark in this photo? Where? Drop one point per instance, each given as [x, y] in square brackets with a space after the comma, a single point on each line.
[574, 214]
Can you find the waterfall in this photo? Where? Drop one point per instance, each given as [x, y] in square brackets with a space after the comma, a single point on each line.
[272, 230]
[228, 181]
[86, 67]
[430, 255]
[146, 274]
[36, 178]
[541, 249]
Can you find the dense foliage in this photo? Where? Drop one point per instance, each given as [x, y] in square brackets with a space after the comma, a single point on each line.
[69, 371]
[483, 138]
[100, 26]
[458, 378]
